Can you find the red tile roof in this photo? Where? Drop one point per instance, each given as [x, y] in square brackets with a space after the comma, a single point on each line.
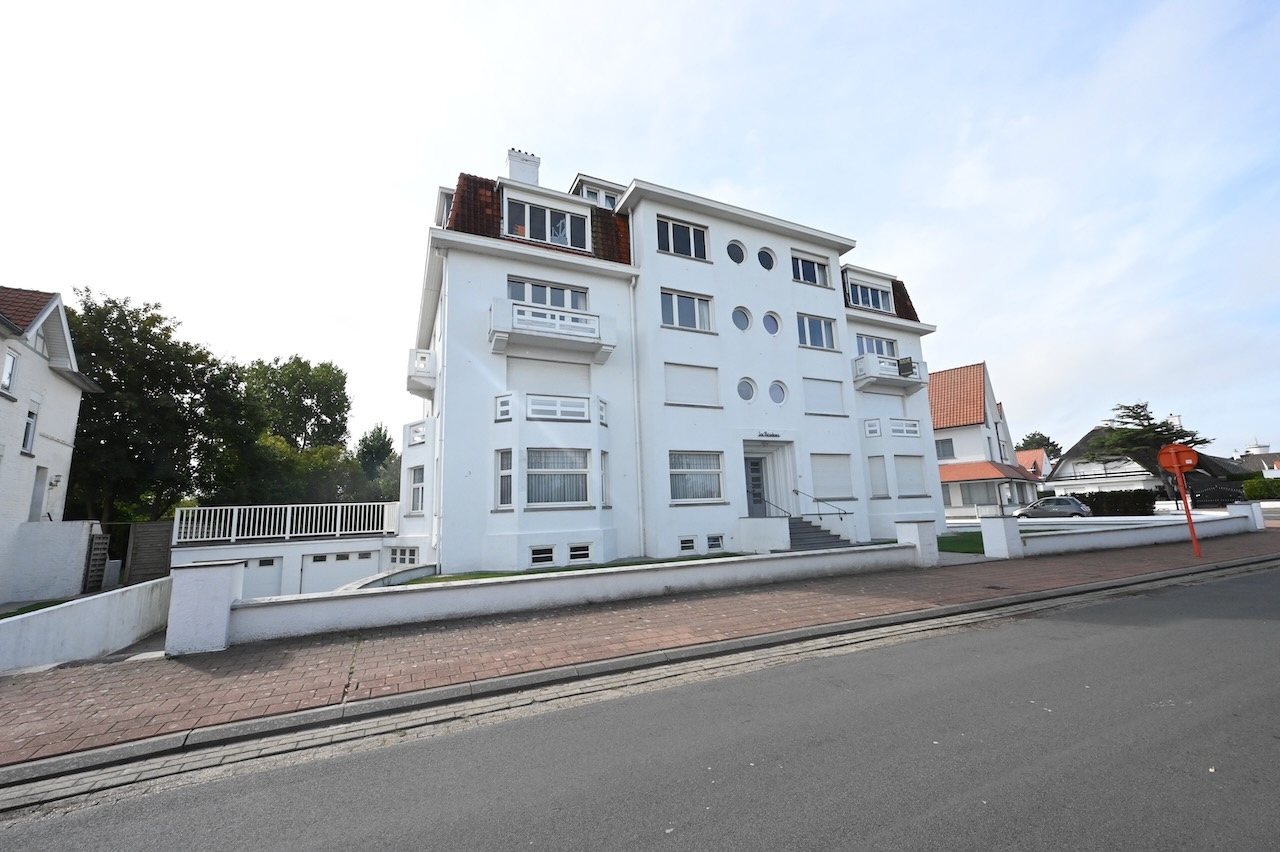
[477, 209]
[978, 471]
[1033, 460]
[957, 396]
[21, 307]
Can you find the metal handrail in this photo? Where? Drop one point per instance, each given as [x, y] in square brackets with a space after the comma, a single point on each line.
[774, 505]
[842, 512]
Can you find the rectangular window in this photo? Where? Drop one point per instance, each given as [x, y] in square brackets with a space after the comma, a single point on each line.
[10, 367]
[695, 476]
[552, 295]
[978, 493]
[690, 385]
[879, 476]
[556, 476]
[900, 428]
[557, 408]
[404, 555]
[809, 271]
[504, 478]
[545, 555]
[867, 296]
[816, 332]
[910, 471]
[546, 225]
[832, 475]
[683, 310]
[579, 553]
[364, 554]
[29, 433]
[688, 544]
[715, 542]
[871, 427]
[604, 479]
[602, 408]
[679, 238]
[416, 480]
[868, 345]
[502, 408]
[823, 396]
[945, 448]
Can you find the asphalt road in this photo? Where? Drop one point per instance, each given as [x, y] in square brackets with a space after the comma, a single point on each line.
[1146, 722]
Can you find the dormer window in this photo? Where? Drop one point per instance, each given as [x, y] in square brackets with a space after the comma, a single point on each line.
[859, 294]
[546, 225]
[599, 197]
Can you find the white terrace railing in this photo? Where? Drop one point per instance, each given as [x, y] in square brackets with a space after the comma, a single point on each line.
[315, 520]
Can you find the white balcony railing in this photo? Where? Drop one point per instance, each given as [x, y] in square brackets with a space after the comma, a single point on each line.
[303, 520]
[879, 369]
[549, 328]
[422, 373]
[554, 321]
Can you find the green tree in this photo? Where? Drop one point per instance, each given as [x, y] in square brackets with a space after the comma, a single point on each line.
[1040, 441]
[170, 417]
[373, 449]
[1136, 433]
[306, 405]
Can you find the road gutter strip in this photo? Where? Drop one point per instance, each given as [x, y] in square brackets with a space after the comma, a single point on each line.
[856, 631]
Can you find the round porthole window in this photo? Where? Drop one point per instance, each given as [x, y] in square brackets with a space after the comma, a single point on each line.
[736, 252]
[766, 258]
[746, 389]
[778, 392]
[742, 318]
[770, 323]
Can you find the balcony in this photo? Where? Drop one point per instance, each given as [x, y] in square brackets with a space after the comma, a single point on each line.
[422, 373]
[881, 371]
[520, 324]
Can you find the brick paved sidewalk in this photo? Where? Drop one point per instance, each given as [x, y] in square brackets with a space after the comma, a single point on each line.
[85, 706]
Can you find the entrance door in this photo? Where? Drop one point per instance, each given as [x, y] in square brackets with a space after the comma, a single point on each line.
[756, 506]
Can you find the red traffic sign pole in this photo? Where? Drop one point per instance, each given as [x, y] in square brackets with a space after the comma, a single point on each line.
[1177, 458]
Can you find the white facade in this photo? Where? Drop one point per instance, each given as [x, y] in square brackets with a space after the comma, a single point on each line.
[40, 387]
[635, 382]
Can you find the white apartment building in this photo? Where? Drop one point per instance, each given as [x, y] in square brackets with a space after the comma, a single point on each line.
[630, 371]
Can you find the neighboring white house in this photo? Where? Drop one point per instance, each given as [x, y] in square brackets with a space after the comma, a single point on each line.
[40, 387]
[631, 371]
[976, 461]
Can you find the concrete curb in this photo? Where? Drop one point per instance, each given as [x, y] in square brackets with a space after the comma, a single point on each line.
[66, 764]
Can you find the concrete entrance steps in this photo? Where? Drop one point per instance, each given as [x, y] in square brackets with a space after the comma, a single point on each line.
[807, 536]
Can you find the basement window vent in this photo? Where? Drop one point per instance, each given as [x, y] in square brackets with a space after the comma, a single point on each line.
[579, 552]
[365, 555]
[688, 544]
[542, 555]
[324, 557]
[266, 563]
[343, 557]
[715, 542]
[404, 555]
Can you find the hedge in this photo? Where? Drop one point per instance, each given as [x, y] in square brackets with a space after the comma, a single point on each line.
[1262, 489]
[1136, 502]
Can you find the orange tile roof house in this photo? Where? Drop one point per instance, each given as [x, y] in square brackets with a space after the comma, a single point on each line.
[975, 454]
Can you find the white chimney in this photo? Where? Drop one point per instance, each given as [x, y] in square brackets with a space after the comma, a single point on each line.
[523, 167]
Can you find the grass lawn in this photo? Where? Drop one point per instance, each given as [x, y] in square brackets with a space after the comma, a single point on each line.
[31, 607]
[963, 542]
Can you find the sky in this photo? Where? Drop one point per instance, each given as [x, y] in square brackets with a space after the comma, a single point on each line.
[1084, 195]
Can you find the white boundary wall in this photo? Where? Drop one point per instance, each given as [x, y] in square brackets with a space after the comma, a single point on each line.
[84, 628]
[42, 561]
[207, 615]
[1001, 536]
